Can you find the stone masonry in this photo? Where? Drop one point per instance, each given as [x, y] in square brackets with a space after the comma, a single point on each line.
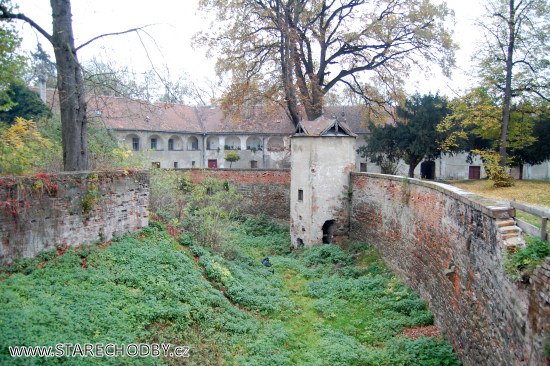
[446, 244]
[265, 191]
[45, 211]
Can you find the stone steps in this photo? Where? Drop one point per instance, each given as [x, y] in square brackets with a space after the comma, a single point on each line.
[506, 222]
[510, 233]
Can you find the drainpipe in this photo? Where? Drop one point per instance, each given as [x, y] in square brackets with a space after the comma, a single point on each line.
[203, 150]
[263, 152]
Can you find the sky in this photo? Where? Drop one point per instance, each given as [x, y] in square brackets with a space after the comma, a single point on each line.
[171, 25]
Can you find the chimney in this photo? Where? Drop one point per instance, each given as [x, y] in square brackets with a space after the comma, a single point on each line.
[42, 88]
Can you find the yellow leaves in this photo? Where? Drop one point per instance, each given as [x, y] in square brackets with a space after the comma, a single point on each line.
[22, 147]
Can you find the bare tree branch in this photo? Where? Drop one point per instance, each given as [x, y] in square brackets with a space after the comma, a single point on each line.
[113, 34]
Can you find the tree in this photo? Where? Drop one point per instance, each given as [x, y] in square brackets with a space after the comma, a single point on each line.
[11, 63]
[413, 137]
[70, 83]
[381, 147]
[231, 157]
[475, 124]
[72, 100]
[513, 62]
[539, 150]
[25, 104]
[293, 52]
[418, 137]
[42, 69]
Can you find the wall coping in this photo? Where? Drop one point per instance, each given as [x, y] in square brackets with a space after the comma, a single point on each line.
[493, 208]
[234, 170]
[79, 173]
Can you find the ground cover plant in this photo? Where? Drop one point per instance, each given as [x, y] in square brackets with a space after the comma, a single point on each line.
[324, 305]
[521, 262]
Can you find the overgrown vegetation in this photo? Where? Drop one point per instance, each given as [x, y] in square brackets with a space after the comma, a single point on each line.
[520, 262]
[325, 305]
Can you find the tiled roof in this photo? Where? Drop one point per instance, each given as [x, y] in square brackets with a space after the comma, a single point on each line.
[254, 120]
[324, 126]
[130, 114]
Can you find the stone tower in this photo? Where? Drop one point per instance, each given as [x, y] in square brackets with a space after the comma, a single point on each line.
[323, 155]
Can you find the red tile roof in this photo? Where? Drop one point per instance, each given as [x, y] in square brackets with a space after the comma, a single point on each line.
[130, 114]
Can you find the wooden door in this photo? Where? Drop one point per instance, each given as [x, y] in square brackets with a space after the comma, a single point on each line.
[474, 172]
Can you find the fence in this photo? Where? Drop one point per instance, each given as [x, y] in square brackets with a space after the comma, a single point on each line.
[529, 229]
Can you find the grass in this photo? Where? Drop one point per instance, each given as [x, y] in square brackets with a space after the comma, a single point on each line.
[527, 191]
[322, 306]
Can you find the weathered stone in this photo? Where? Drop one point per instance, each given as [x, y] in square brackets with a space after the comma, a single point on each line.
[43, 211]
[447, 245]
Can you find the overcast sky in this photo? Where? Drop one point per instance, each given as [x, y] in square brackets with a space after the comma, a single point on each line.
[173, 23]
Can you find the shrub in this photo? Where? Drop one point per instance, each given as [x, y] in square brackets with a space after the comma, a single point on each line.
[209, 208]
[495, 172]
[326, 254]
[519, 263]
[22, 147]
[231, 157]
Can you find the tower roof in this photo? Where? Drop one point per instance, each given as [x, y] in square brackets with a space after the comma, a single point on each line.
[323, 126]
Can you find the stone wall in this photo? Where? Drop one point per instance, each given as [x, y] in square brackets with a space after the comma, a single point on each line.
[320, 186]
[446, 244]
[264, 191]
[44, 211]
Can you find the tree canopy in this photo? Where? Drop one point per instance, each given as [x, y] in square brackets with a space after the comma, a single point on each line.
[414, 135]
[11, 62]
[513, 61]
[293, 52]
[25, 104]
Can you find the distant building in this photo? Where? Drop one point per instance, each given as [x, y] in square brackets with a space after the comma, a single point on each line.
[180, 136]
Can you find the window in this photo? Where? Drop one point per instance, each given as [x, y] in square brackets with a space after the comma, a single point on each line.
[153, 144]
[135, 143]
[193, 164]
[253, 164]
[193, 144]
[300, 195]
[175, 165]
[170, 144]
[155, 164]
[363, 167]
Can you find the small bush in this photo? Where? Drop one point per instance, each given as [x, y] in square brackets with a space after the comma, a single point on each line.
[520, 263]
[494, 170]
[326, 254]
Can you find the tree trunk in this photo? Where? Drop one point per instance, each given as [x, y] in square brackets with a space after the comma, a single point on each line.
[413, 163]
[72, 101]
[508, 87]
[314, 109]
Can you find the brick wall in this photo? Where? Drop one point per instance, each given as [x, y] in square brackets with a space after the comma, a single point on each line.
[43, 211]
[264, 191]
[446, 244]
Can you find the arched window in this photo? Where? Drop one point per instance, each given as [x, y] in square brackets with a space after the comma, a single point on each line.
[253, 143]
[212, 143]
[155, 142]
[175, 143]
[275, 144]
[192, 143]
[132, 141]
[232, 143]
